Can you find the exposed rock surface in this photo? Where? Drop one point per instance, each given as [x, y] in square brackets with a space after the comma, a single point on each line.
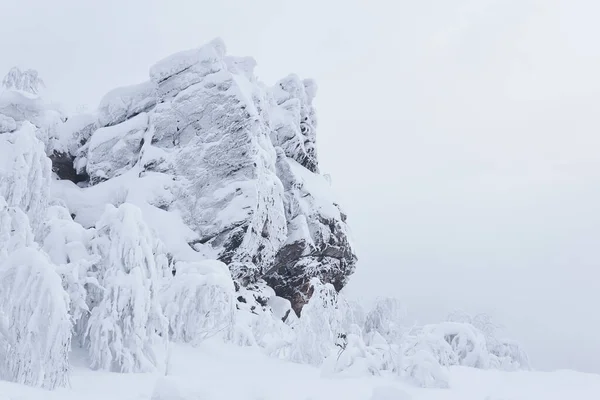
[238, 160]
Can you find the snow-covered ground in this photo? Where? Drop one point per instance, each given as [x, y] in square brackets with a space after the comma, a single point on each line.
[217, 371]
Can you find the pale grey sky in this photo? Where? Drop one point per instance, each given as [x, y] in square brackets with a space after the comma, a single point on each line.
[462, 136]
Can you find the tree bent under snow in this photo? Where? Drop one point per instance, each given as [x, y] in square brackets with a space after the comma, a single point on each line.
[38, 326]
[127, 326]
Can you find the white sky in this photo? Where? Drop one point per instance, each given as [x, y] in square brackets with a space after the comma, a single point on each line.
[462, 136]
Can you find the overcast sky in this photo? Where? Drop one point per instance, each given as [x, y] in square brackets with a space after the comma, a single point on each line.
[462, 136]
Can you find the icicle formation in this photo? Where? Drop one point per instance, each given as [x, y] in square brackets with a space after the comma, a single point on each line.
[128, 321]
[38, 335]
[199, 301]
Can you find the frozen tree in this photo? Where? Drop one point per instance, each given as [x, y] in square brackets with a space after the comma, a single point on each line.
[25, 172]
[319, 325]
[26, 81]
[127, 326]
[199, 301]
[38, 327]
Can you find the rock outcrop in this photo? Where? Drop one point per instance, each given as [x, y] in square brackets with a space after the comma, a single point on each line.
[241, 163]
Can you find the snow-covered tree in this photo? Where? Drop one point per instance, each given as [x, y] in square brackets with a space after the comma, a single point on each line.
[199, 301]
[386, 317]
[127, 328]
[68, 245]
[319, 325]
[25, 172]
[27, 81]
[38, 326]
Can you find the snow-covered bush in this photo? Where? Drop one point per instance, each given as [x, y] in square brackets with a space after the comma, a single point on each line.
[39, 326]
[353, 357]
[466, 342]
[505, 354]
[508, 355]
[127, 325]
[318, 327]
[423, 369]
[199, 301]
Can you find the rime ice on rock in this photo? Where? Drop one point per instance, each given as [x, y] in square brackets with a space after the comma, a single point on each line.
[318, 242]
[295, 121]
[242, 165]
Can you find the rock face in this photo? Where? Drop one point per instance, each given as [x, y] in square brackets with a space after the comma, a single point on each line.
[242, 161]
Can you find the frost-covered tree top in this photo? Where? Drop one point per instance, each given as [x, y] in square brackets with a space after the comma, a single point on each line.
[26, 81]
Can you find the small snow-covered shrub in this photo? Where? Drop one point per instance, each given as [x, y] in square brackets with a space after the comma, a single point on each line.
[424, 370]
[36, 311]
[199, 301]
[390, 354]
[127, 325]
[467, 343]
[424, 357]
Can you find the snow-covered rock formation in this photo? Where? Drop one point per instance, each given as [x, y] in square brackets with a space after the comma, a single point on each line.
[191, 207]
[232, 159]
